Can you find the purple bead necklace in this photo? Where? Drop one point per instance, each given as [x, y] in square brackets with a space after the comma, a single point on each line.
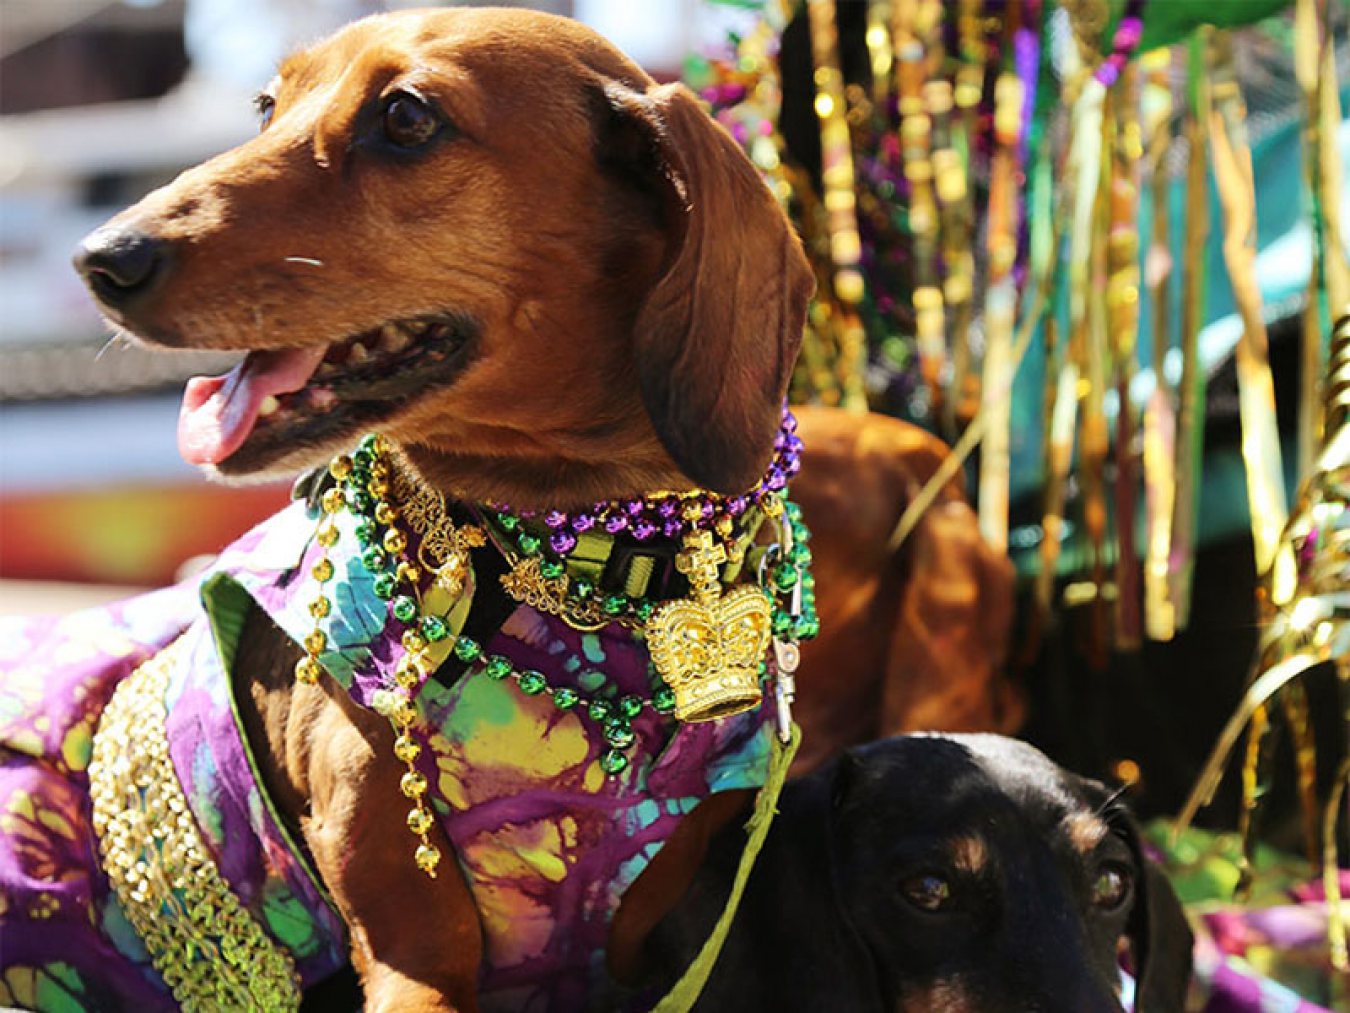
[671, 515]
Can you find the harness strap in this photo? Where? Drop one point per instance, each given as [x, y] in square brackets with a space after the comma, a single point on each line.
[687, 990]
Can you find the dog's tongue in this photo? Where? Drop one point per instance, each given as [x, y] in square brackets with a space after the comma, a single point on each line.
[219, 412]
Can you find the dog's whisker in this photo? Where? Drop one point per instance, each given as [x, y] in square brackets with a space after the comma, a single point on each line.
[311, 261]
[118, 339]
[1113, 800]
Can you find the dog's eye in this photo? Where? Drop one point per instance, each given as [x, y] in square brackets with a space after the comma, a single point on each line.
[408, 121]
[1112, 886]
[927, 892]
[265, 105]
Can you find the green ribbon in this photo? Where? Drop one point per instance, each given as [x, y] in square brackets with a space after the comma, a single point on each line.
[682, 997]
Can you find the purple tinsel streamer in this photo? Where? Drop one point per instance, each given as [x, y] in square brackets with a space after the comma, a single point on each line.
[1128, 33]
[1026, 64]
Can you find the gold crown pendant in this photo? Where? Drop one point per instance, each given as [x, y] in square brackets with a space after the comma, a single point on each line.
[708, 647]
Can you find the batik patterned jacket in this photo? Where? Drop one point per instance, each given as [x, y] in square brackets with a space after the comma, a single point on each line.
[547, 841]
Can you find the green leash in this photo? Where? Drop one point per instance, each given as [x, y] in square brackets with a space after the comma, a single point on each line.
[682, 997]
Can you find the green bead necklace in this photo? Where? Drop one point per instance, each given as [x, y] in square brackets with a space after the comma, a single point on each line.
[364, 483]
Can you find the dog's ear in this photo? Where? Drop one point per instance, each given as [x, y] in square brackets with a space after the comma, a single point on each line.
[1165, 958]
[716, 335]
[848, 770]
[1160, 938]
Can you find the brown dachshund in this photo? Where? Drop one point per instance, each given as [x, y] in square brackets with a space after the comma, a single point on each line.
[489, 235]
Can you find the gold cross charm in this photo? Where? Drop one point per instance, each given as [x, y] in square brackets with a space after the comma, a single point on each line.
[708, 647]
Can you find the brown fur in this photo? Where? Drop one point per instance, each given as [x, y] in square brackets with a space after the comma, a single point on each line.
[906, 644]
[637, 300]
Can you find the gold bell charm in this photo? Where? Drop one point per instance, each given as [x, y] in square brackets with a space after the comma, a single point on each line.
[708, 647]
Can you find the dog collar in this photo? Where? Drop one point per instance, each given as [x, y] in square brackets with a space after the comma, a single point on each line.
[708, 649]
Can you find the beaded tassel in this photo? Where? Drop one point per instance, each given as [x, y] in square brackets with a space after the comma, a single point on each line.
[840, 201]
[1122, 307]
[363, 489]
[308, 669]
[911, 23]
[955, 165]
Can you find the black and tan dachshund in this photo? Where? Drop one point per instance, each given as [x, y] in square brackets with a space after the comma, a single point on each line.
[938, 874]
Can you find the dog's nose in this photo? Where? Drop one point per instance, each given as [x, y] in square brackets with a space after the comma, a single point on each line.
[119, 264]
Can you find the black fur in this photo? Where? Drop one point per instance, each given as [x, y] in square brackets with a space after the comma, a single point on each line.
[825, 924]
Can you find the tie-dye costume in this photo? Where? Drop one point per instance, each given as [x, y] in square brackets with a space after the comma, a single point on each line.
[547, 841]
[65, 941]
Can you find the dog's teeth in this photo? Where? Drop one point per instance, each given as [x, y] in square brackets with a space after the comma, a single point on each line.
[394, 339]
[321, 398]
[358, 353]
[269, 406]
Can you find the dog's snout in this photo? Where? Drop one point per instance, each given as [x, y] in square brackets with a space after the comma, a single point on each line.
[120, 264]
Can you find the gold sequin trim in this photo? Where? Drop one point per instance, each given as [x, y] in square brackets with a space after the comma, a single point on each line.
[209, 948]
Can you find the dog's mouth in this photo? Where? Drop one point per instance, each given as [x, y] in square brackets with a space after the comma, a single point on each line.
[276, 398]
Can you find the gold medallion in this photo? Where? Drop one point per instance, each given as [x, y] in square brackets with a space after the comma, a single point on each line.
[708, 647]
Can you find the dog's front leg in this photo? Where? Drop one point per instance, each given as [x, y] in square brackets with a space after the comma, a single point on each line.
[416, 942]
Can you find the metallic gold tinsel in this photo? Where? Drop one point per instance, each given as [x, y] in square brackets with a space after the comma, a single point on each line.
[1191, 413]
[1160, 422]
[1256, 388]
[1307, 625]
[1000, 301]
